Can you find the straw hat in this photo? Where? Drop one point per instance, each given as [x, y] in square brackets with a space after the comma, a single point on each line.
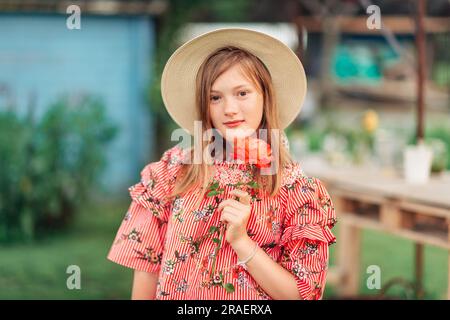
[178, 78]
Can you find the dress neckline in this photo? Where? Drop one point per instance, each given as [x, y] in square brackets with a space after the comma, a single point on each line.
[233, 163]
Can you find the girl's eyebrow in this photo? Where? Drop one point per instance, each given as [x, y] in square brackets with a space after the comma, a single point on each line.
[237, 87]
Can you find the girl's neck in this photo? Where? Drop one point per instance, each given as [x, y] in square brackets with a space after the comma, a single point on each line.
[224, 152]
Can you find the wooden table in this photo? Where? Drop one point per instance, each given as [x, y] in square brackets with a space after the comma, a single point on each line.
[368, 198]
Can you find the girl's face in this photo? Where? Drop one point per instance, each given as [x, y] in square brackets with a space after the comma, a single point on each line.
[234, 97]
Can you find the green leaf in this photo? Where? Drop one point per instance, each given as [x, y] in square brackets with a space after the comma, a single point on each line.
[253, 184]
[214, 185]
[229, 287]
[213, 229]
[212, 193]
[216, 240]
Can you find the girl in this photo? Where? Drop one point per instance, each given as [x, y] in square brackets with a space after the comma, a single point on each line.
[222, 229]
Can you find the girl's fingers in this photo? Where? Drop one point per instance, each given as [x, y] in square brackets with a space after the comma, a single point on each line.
[244, 197]
[231, 203]
[230, 211]
[228, 218]
[233, 217]
[222, 204]
[244, 200]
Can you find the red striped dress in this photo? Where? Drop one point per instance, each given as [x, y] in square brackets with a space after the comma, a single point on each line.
[178, 240]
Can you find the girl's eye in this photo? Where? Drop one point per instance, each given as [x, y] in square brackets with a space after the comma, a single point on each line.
[243, 93]
[214, 98]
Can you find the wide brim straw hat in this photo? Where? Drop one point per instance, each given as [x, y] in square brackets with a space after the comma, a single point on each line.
[178, 82]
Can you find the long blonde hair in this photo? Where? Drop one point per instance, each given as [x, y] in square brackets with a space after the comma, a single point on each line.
[197, 176]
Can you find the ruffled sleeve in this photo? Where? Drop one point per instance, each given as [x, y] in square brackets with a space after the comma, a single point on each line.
[309, 218]
[139, 242]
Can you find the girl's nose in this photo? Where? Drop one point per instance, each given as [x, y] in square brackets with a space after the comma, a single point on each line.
[231, 107]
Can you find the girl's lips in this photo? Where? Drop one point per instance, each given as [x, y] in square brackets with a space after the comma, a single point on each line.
[234, 124]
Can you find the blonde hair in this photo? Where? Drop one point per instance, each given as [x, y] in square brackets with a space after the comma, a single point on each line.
[197, 176]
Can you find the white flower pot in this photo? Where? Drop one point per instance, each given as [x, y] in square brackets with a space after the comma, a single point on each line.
[417, 162]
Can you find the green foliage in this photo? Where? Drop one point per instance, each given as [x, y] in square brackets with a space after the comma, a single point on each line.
[356, 140]
[441, 65]
[49, 166]
[228, 10]
[313, 134]
[358, 143]
[315, 141]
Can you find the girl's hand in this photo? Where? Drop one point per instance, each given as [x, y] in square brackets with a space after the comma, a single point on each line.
[236, 215]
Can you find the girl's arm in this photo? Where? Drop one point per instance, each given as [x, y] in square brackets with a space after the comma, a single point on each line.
[144, 285]
[278, 282]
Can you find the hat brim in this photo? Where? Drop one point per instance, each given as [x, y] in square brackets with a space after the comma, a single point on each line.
[178, 84]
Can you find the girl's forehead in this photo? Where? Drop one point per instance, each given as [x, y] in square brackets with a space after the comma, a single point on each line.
[235, 76]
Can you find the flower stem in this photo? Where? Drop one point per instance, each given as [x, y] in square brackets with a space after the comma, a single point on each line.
[216, 251]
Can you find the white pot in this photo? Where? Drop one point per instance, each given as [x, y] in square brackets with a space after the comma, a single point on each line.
[417, 162]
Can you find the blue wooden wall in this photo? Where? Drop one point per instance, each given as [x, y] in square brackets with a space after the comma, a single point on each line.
[109, 56]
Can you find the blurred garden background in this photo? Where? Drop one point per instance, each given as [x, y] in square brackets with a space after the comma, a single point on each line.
[81, 114]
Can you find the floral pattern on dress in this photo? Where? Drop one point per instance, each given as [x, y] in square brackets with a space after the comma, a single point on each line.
[185, 244]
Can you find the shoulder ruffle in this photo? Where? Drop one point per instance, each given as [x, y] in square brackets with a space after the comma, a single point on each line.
[157, 181]
[309, 210]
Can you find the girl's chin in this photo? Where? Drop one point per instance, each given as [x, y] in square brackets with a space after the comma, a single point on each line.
[231, 134]
[235, 137]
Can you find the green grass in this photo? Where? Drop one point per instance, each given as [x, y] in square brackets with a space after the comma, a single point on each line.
[38, 271]
[395, 257]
